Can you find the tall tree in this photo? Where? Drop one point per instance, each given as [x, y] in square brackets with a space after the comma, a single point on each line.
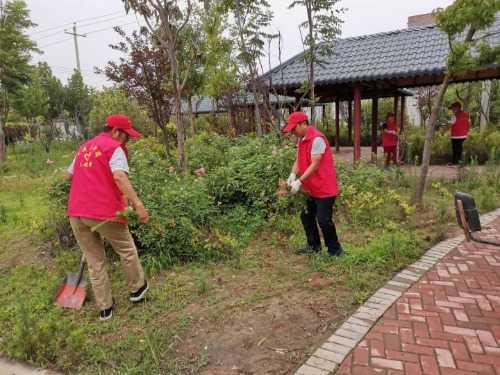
[465, 22]
[31, 100]
[323, 27]
[251, 19]
[141, 73]
[115, 100]
[41, 101]
[15, 54]
[220, 79]
[167, 20]
[54, 89]
[78, 102]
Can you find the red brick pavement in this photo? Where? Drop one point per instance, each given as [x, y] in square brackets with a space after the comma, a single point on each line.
[447, 323]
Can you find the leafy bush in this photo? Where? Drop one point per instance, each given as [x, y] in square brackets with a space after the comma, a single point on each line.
[207, 150]
[250, 174]
[480, 147]
[198, 218]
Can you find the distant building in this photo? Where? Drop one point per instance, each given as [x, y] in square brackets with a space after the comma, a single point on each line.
[420, 20]
[65, 129]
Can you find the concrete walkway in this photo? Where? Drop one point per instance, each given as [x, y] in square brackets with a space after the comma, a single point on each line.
[440, 316]
[11, 368]
[436, 172]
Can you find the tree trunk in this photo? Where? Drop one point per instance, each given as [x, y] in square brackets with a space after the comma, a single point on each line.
[4, 108]
[3, 147]
[258, 116]
[179, 122]
[231, 116]
[485, 106]
[312, 52]
[190, 116]
[431, 128]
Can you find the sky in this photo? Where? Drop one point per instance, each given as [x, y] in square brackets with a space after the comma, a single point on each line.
[96, 18]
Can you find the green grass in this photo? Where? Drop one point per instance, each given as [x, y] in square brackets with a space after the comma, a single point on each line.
[23, 187]
[143, 338]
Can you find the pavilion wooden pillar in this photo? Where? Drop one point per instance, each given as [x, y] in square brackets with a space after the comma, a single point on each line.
[349, 123]
[337, 125]
[396, 106]
[402, 119]
[374, 128]
[357, 124]
[323, 117]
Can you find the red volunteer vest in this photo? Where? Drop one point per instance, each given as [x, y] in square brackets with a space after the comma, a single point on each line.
[389, 140]
[94, 194]
[323, 183]
[461, 126]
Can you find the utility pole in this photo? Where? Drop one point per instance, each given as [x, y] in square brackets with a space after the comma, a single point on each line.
[75, 38]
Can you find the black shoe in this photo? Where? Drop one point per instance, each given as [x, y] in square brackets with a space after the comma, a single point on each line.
[106, 314]
[139, 295]
[308, 250]
[336, 253]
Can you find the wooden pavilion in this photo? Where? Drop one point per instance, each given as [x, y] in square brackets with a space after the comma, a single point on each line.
[376, 66]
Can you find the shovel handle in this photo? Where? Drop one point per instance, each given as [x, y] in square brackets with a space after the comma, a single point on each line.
[80, 271]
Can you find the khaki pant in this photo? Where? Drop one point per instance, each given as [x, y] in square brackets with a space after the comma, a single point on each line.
[92, 246]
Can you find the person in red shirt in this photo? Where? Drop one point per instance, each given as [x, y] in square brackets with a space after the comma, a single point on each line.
[100, 188]
[460, 127]
[315, 165]
[390, 139]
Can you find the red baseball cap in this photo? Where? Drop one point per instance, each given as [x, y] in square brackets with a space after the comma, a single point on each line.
[123, 123]
[294, 119]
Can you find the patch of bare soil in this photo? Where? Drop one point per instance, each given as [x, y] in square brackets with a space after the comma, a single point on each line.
[262, 324]
[20, 251]
[273, 337]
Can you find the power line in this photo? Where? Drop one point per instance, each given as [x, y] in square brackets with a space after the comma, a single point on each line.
[88, 33]
[57, 42]
[70, 23]
[80, 26]
[110, 28]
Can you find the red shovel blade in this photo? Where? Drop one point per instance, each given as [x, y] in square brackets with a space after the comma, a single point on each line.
[71, 295]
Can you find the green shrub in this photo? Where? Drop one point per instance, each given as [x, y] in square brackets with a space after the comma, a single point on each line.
[251, 173]
[480, 147]
[207, 150]
[198, 218]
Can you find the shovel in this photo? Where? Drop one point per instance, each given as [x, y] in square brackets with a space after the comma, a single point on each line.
[71, 293]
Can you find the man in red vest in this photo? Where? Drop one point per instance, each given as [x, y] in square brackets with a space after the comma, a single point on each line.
[460, 127]
[315, 166]
[100, 189]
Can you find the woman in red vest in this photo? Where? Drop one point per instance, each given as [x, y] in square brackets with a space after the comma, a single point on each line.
[100, 188]
[460, 127]
[390, 140]
[316, 167]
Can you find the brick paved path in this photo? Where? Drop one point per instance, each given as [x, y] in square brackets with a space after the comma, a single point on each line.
[446, 323]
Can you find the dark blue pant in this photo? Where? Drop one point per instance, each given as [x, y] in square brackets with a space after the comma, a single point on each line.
[319, 211]
[457, 146]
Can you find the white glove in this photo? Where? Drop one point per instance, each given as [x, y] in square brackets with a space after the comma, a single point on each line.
[295, 187]
[291, 179]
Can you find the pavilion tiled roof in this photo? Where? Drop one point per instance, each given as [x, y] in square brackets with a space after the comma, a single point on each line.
[398, 54]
